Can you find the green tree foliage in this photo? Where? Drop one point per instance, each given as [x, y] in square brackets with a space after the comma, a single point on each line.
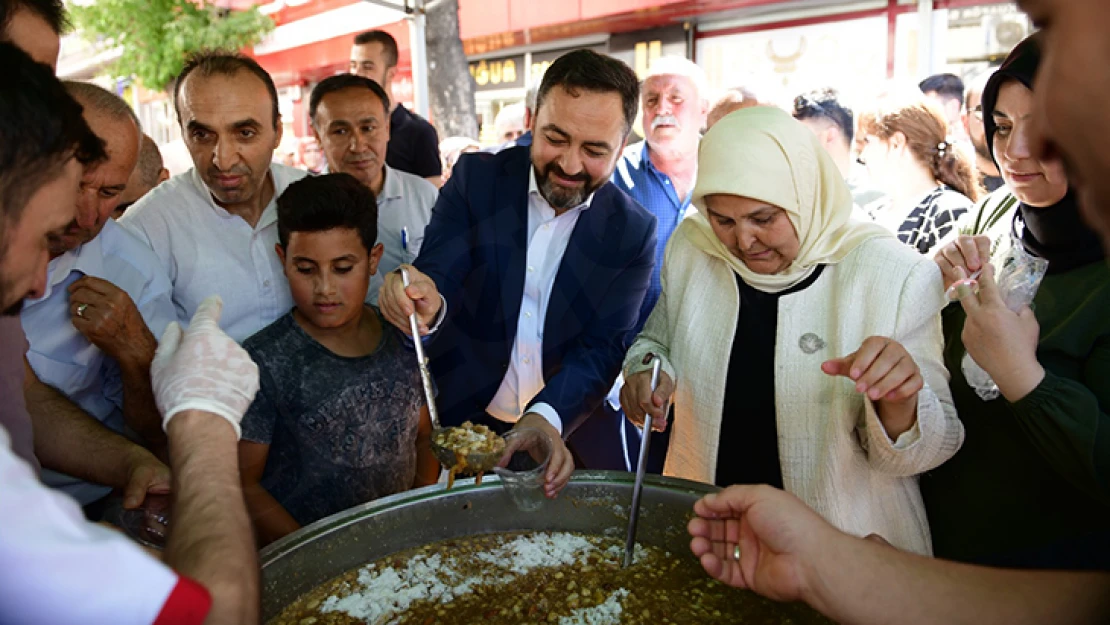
[156, 36]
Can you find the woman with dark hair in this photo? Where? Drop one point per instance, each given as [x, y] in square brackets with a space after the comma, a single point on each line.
[1029, 486]
[908, 156]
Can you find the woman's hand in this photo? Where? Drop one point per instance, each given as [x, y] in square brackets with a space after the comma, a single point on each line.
[1001, 341]
[637, 399]
[884, 371]
[968, 253]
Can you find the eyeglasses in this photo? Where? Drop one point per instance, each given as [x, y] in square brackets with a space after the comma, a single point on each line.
[978, 112]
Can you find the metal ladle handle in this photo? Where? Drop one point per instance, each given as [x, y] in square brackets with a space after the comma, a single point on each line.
[641, 470]
[422, 360]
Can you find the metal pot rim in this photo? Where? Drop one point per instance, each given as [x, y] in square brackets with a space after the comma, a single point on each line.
[280, 548]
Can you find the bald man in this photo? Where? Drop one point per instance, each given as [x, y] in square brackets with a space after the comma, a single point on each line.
[92, 335]
[149, 173]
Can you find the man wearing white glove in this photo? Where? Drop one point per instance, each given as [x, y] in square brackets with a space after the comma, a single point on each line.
[54, 566]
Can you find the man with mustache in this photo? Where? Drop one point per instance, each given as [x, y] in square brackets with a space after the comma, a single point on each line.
[214, 227]
[534, 267]
[93, 334]
[350, 119]
[659, 173]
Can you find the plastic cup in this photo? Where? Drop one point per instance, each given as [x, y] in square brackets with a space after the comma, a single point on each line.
[522, 468]
[147, 525]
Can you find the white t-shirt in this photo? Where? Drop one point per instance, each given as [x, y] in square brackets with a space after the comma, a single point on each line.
[57, 568]
[206, 250]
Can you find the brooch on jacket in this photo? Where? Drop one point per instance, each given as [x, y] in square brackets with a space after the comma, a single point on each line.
[811, 343]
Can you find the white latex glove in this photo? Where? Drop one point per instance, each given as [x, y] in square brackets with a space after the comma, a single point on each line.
[203, 368]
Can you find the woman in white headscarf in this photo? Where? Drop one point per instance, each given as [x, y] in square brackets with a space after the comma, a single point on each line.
[801, 349]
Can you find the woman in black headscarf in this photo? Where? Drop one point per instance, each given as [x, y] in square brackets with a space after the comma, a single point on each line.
[1031, 485]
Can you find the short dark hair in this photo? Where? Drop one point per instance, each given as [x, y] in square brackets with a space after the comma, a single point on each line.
[41, 128]
[222, 62]
[587, 70]
[948, 86]
[825, 104]
[389, 44]
[339, 82]
[319, 203]
[53, 12]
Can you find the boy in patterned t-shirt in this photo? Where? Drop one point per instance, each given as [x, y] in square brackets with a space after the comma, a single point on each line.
[340, 417]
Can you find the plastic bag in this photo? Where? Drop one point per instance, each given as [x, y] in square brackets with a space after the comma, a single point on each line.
[1018, 280]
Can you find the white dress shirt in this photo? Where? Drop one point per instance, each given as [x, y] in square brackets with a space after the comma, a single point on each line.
[406, 201]
[63, 358]
[59, 568]
[548, 236]
[206, 250]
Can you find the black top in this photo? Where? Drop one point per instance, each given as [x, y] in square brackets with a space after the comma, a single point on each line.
[748, 452]
[413, 144]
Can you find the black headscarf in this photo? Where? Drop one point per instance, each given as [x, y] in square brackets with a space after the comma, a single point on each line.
[1055, 233]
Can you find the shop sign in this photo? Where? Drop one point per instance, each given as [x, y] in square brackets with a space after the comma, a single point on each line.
[502, 73]
[543, 60]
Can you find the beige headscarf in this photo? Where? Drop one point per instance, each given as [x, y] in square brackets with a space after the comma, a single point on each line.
[764, 154]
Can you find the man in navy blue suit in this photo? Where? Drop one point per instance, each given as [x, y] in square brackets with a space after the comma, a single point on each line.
[534, 266]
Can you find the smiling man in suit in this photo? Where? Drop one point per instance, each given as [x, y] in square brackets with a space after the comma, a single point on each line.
[534, 266]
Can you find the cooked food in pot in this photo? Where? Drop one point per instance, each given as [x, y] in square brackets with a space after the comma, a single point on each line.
[538, 578]
[467, 449]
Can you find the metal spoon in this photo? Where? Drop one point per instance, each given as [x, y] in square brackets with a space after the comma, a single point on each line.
[641, 469]
[422, 360]
[478, 462]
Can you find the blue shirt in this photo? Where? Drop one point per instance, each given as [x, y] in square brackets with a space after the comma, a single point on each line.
[63, 358]
[652, 189]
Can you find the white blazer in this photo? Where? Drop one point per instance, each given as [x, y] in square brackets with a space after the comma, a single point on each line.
[835, 454]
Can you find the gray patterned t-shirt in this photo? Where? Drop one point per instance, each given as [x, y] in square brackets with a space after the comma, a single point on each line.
[342, 431]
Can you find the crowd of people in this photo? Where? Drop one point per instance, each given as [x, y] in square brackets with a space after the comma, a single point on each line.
[814, 283]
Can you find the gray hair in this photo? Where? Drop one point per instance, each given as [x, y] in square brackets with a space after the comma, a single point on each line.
[150, 162]
[530, 98]
[96, 98]
[679, 66]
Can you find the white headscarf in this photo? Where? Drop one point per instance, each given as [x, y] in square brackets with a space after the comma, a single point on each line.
[764, 154]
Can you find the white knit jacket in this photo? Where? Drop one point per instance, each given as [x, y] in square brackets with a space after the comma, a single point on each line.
[834, 452]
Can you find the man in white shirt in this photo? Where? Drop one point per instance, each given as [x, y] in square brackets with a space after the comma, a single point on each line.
[350, 118]
[57, 568]
[534, 265]
[214, 227]
[92, 335]
[659, 174]
[65, 437]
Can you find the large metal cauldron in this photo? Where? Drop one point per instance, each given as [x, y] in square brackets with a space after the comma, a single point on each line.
[594, 502]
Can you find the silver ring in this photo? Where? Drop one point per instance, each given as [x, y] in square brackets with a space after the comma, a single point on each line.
[736, 552]
[81, 310]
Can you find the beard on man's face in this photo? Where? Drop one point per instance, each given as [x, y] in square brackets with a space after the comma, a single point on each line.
[560, 197]
[13, 310]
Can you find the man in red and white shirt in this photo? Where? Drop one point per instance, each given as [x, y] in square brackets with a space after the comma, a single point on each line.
[54, 566]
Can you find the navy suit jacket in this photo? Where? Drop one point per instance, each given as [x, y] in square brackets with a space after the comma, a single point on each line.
[475, 249]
